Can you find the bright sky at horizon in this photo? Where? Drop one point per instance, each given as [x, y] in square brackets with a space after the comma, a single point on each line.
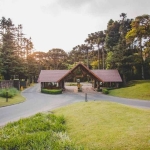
[67, 23]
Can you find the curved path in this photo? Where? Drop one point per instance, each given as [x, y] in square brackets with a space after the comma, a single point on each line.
[38, 102]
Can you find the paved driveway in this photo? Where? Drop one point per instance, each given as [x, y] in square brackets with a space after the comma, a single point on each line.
[38, 102]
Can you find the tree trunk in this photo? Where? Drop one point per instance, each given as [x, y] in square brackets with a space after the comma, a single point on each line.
[103, 57]
[124, 80]
[98, 58]
[87, 59]
[142, 63]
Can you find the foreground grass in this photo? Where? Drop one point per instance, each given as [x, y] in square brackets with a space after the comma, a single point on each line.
[107, 126]
[39, 132]
[16, 99]
[138, 89]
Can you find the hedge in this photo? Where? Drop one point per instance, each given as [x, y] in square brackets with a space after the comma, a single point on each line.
[52, 91]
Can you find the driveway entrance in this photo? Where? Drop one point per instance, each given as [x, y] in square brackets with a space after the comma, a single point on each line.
[86, 87]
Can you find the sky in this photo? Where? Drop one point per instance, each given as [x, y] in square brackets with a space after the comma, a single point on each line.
[65, 24]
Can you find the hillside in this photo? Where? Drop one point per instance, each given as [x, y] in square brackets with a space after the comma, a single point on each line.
[136, 89]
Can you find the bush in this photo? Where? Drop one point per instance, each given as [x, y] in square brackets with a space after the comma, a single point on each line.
[52, 91]
[11, 92]
[105, 91]
[41, 131]
[110, 88]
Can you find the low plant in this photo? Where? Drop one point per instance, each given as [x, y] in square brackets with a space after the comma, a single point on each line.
[105, 91]
[11, 92]
[111, 88]
[52, 91]
[41, 131]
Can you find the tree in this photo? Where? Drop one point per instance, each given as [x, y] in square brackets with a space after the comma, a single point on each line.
[85, 51]
[12, 57]
[57, 57]
[8, 56]
[139, 34]
[33, 66]
[76, 55]
[98, 39]
[119, 55]
[112, 35]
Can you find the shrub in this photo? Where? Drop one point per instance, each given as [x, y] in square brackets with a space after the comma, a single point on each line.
[11, 92]
[41, 131]
[105, 91]
[52, 91]
[110, 88]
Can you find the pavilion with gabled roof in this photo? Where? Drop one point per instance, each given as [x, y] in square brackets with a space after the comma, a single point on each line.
[58, 77]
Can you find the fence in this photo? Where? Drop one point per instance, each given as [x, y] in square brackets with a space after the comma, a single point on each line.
[14, 83]
[6, 84]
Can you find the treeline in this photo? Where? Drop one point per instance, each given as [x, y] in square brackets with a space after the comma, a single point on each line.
[124, 45]
[14, 50]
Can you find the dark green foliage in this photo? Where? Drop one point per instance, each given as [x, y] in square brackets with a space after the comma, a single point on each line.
[42, 131]
[110, 88]
[12, 54]
[52, 91]
[121, 56]
[105, 91]
[11, 92]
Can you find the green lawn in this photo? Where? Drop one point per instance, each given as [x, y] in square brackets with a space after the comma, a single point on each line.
[137, 89]
[107, 126]
[16, 99]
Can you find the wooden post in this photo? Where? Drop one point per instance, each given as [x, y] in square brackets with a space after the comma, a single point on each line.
[6, 96]
[85, 97]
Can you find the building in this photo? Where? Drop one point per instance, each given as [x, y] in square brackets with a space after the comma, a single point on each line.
[56, 78]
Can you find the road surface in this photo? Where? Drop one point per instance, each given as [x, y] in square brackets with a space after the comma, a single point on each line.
[38, 102]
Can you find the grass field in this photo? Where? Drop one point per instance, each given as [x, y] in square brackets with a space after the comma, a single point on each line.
[17, 99]
[107, 126]
[137, 89]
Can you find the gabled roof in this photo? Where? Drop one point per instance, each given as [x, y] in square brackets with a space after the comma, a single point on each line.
[84, 68]
[51, 75]
[100, 75]
[108, 75]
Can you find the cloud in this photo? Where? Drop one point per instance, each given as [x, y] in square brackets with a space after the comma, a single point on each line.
[73, 4]
[66, 23]
[58, 6]
[98, 7]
